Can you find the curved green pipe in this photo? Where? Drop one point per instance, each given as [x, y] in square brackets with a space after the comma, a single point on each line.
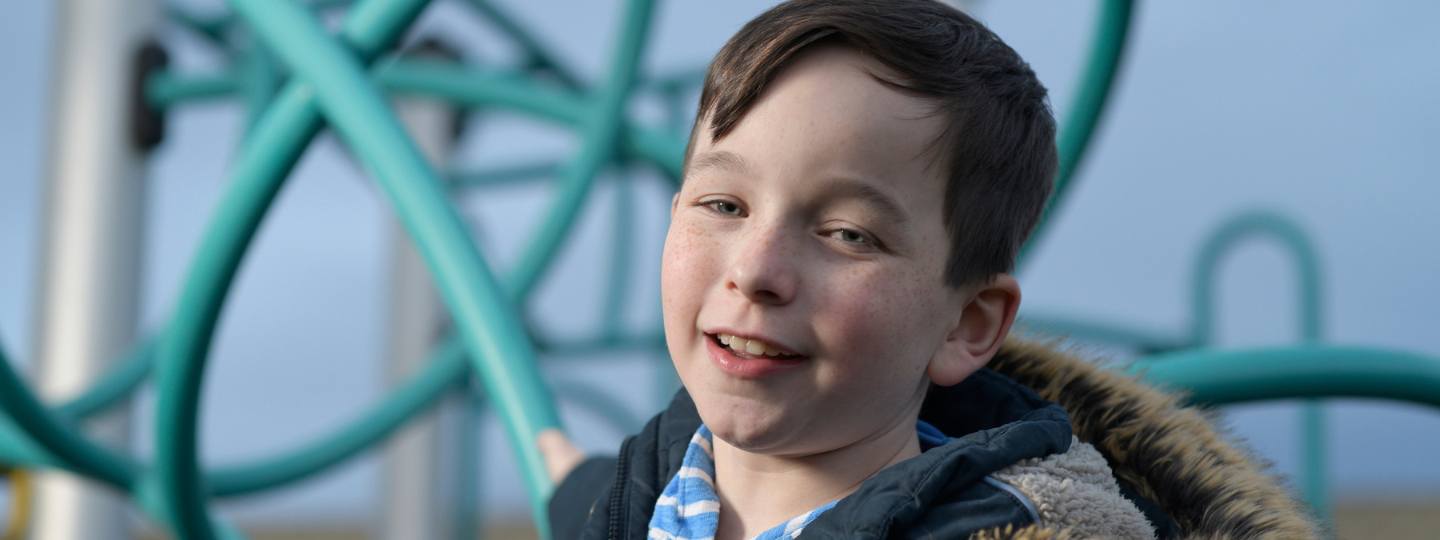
[167, 89]
[491, 331]
[622, 242]
[19, 450]
[1223, 241]
[55, 436]
[271, 150]
[602, 404]
[445, 368]
[584, 348]
[537, 54]
[492, 88]
[1107, 49]
[1214, 377]
[677, 81]
[148, 497]
[209, 28]
[599, 133]
[19, 446]
[115, 385]
[260, 81]
[504, 175]
[1259, 224]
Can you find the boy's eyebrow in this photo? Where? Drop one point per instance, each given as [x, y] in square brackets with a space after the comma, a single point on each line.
[721, 159]
[844, 187]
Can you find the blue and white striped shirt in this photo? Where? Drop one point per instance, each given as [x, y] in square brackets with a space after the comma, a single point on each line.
[690, 509]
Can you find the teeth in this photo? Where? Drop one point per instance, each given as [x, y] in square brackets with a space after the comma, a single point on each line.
[749, 346]
[754, 347]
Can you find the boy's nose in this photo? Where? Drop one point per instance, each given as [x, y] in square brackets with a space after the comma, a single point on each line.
[763, 270]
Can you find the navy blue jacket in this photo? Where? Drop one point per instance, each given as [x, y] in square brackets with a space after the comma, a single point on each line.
[946, 492]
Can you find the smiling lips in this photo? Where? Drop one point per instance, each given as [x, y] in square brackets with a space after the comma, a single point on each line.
[749, 358]
[752, 347]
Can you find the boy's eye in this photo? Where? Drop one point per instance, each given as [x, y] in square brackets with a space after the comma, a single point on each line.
[851, 236]
[724, 207]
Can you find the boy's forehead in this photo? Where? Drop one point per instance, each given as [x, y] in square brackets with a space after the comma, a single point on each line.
[826, 114]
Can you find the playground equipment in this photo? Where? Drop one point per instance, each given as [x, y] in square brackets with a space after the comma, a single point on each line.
[343, 81]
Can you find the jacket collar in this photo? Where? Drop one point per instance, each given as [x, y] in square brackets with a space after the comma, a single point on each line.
[1168, 453]
[992, 421]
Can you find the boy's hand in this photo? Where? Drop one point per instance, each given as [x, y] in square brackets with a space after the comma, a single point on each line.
[561, 456]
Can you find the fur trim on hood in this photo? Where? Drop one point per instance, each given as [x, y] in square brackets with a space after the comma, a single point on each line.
[1168, 453]
[1076, 491]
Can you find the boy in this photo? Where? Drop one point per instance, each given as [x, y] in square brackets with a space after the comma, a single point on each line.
[859, 180]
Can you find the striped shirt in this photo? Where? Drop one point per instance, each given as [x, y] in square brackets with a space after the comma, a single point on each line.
[690, 509]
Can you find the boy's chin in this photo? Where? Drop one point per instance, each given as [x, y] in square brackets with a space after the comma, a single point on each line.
[753, 439]
[750, 429]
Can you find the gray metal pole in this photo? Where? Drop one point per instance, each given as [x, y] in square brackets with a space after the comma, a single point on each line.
[421, 492]
[89, 270]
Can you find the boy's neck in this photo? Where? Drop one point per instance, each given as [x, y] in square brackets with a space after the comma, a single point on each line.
[759, 491]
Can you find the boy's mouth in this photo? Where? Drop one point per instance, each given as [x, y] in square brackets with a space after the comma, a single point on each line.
[751, 348]
[733, 355]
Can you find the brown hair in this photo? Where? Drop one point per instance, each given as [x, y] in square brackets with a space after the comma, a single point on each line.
[998, 147]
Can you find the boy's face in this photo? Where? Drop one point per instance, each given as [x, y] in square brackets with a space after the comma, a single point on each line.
[814, 226]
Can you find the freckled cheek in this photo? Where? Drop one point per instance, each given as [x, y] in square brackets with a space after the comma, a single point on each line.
[879, 322]
[863, 312]
[687, 266]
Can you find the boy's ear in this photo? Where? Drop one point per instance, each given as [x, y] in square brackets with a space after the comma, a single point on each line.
[984, 321]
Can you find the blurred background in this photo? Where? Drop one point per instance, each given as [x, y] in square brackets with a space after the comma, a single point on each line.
[1323, 112]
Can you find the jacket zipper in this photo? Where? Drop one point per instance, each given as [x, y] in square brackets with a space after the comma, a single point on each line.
[618, 493]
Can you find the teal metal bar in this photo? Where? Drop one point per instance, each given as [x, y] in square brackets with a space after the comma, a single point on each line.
[1218, 377]
[674, 91]
[50, 433]
[537, 55]
[1291, 237]
[600, 133]
[471, 513]
[444, 370]
[483, 87]
[268, 154]
[20, 450]
[446, 366]
[622, 232]
[510, 90]
[260, 80]
[149, 498]
[1107, 49]
[168, 89]
[1315, 459]
[602, 404]
[676, 107]
[115, 386]
[490, 330]
[588, 347]
[326, 5]
[1245, 226]
[211, 29]
[680, 81]
[505, 175]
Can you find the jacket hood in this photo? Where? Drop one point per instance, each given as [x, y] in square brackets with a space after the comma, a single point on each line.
[1031, 418]
[993, 422]
[1168, 453]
